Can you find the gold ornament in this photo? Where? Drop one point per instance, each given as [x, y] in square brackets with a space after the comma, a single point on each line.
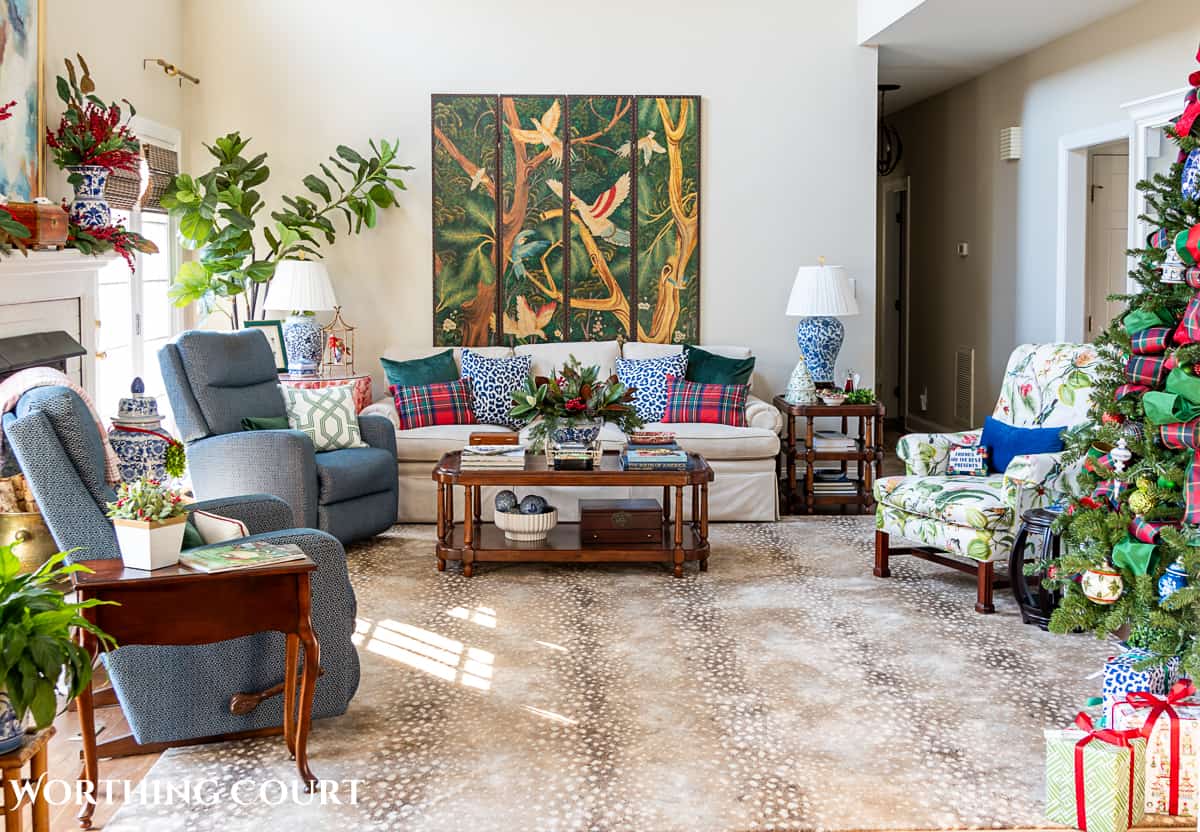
[1141, 502]
[1144, 483]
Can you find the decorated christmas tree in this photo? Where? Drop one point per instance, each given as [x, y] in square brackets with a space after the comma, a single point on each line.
[1131, 554]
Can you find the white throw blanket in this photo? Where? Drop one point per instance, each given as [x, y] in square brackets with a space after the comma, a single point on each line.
[18, 384]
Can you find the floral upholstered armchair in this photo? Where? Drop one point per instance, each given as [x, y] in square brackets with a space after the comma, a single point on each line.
[968, 522]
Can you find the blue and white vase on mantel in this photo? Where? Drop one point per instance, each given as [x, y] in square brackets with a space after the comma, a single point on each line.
[302, 340]
[89, 210]
[820, 339]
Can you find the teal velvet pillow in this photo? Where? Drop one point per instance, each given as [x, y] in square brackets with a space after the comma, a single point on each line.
[265, 423]
[710, 368]
[436, 369]
[191, 536]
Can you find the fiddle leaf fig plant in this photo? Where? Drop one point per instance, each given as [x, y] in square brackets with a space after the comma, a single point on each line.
[217, 216]
[36, 647]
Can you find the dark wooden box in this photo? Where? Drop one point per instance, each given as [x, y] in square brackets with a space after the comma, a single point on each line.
[620, 521]
[47, 223]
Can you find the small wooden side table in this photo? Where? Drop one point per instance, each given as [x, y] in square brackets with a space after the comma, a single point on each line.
[867, 456]
[33, 752]
[361, 382]
[179, 606]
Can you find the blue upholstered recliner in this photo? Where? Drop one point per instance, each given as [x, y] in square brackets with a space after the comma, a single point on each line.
[214, 380]
[170, 694]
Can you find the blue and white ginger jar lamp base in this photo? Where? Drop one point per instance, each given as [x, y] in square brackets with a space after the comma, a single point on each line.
[302, 340]
[820, 340]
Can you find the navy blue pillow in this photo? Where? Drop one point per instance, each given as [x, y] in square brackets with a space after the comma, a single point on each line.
[1004, 441]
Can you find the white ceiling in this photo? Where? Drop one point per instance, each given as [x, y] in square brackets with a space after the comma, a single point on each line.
[940, 43]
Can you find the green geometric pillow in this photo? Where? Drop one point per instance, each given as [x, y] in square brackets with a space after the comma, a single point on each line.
[327, 415]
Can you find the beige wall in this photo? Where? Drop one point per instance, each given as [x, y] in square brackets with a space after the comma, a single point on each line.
[114, 42]
[1003, 294]
[788, 132]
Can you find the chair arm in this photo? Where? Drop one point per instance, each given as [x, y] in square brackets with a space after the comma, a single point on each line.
[1037, 480]
[378, 432]
[760, 414]
[260, 512]
[926, 454]
[385, 407]
[278, 462]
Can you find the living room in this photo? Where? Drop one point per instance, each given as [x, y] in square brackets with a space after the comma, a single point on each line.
[398, 435]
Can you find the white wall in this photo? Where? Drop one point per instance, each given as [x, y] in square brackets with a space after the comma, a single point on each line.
[114, 41]
[788, 131]
[1003, 294]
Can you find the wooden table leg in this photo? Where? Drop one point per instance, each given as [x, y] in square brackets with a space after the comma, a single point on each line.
[478, 504]
[468, 536]
[87, 733]
[38, 769]
[679, 531]
[792, 500]
[810, 457]
[308, 682]
[441, 524]
[666, 504]
[291, 666]
[695, 505]
[10, 779]
[704, 523]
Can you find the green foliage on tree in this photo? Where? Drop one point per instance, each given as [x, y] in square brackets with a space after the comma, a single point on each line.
[1155, 476]
[216, 215]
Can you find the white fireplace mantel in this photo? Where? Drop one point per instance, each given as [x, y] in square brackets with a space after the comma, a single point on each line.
[53, 290]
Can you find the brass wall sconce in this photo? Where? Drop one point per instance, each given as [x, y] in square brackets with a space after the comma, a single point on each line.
[170, 70]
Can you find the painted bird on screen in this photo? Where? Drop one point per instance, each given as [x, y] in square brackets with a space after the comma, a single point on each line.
[596, 215]
[524, 247]
[544, 132]
[647, 145]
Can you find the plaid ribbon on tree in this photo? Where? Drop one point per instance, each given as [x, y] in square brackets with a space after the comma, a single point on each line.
[1153, 341]
[1192, 277]
[444, 403]
[1180, 436]
[1185, 123]
[1147, 530]
[1187, 245]
[1110, 490]
[1188, 331]
[1148, 369]
[1130, 390]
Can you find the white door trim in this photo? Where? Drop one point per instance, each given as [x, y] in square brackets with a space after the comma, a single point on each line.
[1071, 254]
[1148, 115]
[888, 187]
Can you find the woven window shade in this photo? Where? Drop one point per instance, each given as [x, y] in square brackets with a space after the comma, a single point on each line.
[143, 188]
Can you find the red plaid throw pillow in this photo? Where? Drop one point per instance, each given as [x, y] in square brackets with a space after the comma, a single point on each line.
[718, 404]
[443, 403]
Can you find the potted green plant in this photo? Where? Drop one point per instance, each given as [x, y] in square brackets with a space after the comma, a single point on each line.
[149, 518]
[36, 648]
[571, 408]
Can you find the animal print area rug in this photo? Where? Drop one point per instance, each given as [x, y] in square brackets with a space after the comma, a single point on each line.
[786, 688]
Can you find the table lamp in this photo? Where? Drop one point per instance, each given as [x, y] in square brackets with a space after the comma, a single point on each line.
[820, 295]
[302, 287]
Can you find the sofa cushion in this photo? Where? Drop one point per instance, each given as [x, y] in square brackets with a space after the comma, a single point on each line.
[722, 441]
[493, 382]
[974, 502]
[353, 472]
[547, 358]
[439, 367]
[409, 353]
[722, 404]
[427, 444]
[443, 403]
[649, 378]
[326, 415]
[710, 368]
[644, 349]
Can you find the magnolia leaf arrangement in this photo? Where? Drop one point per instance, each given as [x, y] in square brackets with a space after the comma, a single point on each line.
[577, 393]
[36, 644]
[216, 212]
[146, 500]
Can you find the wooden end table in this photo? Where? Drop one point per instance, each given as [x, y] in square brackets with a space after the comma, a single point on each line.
[867, 456]
[474, 541]
[32, 751]
[179, 606]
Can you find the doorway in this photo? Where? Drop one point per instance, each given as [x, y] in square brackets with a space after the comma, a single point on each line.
[1106, 267]
[891, 359]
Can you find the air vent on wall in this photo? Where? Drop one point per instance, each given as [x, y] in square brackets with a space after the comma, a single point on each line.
[1010, 144]
[964, 386]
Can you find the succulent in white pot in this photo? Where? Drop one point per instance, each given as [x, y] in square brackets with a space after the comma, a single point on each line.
[37, 650]
[149, 518]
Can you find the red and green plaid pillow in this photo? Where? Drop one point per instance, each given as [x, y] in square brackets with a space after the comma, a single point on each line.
[442, 403]
[718, 404]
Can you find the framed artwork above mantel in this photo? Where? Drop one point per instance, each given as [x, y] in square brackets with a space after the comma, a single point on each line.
[565, 218]
[22, 61]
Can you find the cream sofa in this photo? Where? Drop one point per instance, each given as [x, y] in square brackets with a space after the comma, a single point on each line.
[743, 459]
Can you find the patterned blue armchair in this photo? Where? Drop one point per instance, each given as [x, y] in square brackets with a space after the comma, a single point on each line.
[170, 694]
[214, 380]
[975, 519]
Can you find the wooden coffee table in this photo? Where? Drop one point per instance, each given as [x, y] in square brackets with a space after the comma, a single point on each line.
[478, 542]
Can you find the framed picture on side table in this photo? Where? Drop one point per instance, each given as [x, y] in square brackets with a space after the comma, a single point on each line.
[274, 332]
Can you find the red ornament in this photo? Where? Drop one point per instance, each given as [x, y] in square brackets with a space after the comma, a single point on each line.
[1112, 418]
[1088, 502]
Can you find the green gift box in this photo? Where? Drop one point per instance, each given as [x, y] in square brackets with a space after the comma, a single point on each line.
[1112, 777]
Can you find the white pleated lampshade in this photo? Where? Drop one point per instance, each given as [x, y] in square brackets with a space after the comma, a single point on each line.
[301, 286]
[822, 290]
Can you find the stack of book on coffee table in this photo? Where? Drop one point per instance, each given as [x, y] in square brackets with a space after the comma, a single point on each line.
[654, 452]
[504, 457]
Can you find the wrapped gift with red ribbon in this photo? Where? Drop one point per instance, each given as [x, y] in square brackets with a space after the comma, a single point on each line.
[1171, 726]
[1095, 779]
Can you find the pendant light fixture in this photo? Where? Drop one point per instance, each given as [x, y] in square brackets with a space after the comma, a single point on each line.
[889, 149]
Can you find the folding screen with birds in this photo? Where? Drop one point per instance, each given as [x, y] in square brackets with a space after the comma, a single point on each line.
[563, 218]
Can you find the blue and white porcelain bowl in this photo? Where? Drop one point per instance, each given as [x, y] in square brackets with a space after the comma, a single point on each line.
[580, 433]
[89, 209]
[11, 729]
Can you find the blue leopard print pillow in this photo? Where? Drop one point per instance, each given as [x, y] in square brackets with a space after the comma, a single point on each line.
[493, 381]
[649, 376]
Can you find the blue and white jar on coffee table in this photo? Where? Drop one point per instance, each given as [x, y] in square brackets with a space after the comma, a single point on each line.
[137, 437]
